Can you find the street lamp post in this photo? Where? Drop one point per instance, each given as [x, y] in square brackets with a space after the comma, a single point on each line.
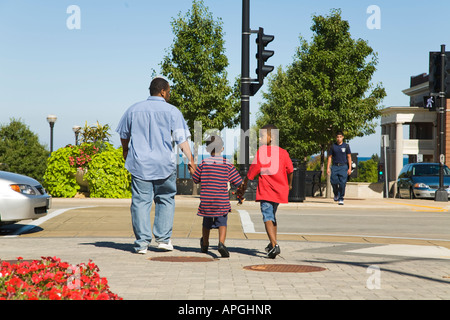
[76, 130]
[51, 119]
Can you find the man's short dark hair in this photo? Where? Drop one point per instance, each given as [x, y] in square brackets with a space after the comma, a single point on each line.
[214, 144]
[157, 85]
[339, 133]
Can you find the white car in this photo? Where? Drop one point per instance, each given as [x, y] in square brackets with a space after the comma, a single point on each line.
[21, 198]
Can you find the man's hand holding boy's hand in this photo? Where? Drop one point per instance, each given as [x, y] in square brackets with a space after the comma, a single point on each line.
[192, 167]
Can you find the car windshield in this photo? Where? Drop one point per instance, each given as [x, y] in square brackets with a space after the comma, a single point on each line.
[429, 170]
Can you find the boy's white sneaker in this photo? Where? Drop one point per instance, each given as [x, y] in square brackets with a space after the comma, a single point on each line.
[140, 250]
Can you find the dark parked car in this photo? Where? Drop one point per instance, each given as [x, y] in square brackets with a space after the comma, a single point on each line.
[421, 180]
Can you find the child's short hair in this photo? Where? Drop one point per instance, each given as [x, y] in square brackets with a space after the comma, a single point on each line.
[272, 131]
[214, 144]
[269, 127]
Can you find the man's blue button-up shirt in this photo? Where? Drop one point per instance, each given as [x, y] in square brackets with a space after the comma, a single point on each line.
[151, 126]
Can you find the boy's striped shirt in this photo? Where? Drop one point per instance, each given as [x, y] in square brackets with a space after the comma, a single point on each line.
[214, 173]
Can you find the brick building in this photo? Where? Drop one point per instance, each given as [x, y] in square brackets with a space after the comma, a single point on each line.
[421, 141]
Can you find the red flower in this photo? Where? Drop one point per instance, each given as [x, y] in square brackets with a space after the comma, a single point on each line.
[52, 279]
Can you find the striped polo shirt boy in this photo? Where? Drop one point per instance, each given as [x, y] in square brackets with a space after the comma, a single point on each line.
[214, 173]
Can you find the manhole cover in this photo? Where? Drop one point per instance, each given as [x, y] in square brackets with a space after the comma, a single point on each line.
[182, 259]
[284, 268]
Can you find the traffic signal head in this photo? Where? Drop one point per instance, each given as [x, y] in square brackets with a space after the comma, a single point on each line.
[381, 173]
[263, 55]
[435, 73]
[430, 102]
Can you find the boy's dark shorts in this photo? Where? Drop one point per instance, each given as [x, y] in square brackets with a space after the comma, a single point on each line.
[215, 222]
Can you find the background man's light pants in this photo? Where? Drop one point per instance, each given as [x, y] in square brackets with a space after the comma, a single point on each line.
[163, 192]
[338, 180]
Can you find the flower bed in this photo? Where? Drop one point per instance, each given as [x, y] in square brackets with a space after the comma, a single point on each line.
[51, 279]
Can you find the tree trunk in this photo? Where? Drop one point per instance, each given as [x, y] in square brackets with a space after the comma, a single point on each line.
[323, 167]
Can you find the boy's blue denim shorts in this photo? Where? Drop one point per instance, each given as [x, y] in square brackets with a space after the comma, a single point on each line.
[268, 210]
[215, 222]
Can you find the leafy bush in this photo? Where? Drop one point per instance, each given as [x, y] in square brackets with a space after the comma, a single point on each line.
[107, 176]
[106, 173]
[59, 178]
[93, 134]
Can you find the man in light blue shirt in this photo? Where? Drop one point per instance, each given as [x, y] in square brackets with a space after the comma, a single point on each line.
[146, 131]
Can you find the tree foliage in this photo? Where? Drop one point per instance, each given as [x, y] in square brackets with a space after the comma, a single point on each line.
[326, 88]
[368, 170]
[20, 150]
[196, 65]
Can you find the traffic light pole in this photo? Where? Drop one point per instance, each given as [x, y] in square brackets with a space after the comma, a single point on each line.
[441, 193]
[249, 87]
[244, 159]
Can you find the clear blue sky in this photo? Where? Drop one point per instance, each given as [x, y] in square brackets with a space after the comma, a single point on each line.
[96, 72]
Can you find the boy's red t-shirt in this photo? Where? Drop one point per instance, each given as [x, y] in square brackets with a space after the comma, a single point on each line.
[273, 164]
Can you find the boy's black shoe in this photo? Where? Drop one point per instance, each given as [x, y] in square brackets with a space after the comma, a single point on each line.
[274, 252]
[203, 248]
[223, 250]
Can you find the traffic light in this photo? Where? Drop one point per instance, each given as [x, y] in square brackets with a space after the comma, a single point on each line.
[381, 173]
[430, 102]
[263, 55]
[435, 72]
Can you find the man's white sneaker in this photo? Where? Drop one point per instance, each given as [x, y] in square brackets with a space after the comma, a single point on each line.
[341, 202]
[165, 246]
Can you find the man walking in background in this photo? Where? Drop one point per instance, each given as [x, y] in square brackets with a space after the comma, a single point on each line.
[146, 131]
[339, 166]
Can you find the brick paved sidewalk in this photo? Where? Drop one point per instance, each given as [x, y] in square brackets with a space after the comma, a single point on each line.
[347, 275]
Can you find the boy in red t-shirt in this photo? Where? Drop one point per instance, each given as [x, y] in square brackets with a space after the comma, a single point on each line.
[275, 170]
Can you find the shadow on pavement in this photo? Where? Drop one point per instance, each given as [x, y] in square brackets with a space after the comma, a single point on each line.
[366, 265]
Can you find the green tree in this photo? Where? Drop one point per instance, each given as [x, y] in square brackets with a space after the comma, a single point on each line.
[20, 150]
[196, 65]
[368, 170]
[326, 88]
